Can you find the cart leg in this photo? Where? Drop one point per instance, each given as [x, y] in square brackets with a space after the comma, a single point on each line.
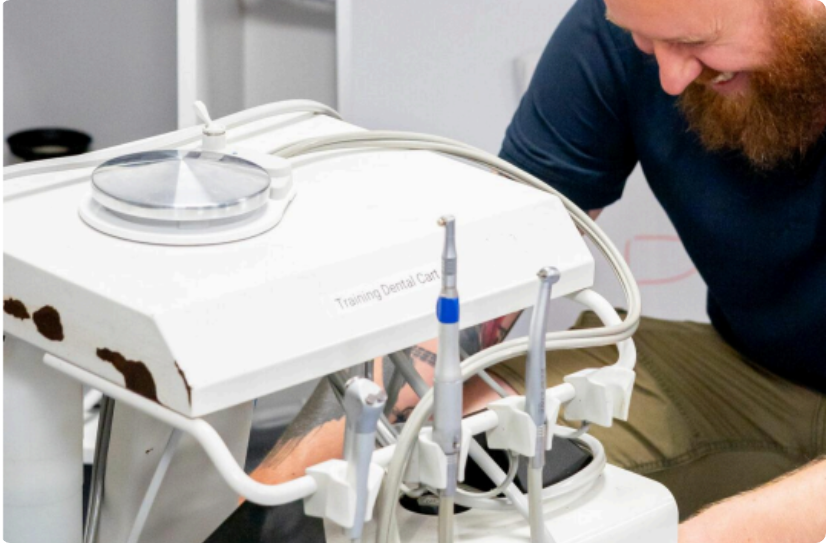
[42, 449]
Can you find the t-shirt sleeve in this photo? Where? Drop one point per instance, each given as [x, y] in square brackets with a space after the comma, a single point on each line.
[571, 128]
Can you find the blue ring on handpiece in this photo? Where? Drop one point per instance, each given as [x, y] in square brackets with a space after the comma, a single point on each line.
[447, 310]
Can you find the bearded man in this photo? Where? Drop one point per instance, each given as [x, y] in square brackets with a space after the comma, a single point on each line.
[723, 103]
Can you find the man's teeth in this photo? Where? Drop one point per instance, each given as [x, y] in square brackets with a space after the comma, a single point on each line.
[723, 77]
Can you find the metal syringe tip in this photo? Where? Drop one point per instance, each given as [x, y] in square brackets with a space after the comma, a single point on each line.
[380, 397]
[449, 223]
[449, 256]
[446, 219]
[549, 273]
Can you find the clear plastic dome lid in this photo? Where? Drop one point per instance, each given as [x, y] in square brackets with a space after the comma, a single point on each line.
[180, 185]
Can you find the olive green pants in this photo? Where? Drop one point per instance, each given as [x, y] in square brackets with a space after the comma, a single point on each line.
[704, 421]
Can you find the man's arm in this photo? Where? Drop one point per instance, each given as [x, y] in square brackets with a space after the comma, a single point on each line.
[791, 509]
[317, 433]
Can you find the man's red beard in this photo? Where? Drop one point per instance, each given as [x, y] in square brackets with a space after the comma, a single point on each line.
[783, 112]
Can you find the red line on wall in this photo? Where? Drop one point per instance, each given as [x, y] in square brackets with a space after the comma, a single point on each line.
[665, 280]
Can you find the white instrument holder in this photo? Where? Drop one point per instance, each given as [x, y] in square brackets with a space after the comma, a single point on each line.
[516, 430]
[602, 395]
[428, 463]
[335, 498]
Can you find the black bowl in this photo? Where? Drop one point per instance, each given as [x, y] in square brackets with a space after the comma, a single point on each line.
[41, 143]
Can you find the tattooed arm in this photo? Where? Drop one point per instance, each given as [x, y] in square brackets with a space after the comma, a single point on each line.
[310, 439]
[317, 433]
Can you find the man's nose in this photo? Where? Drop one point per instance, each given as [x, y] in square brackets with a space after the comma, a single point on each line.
[678, 68]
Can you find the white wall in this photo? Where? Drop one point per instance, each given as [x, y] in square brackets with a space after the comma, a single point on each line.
[106, 67]
[449, 68]
[237, 54]
[290, 51]
[221, 36]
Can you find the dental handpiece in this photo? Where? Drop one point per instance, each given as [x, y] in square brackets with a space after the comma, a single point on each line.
[363, 404]
[535, 402]
[447, 414]
[447, 386]
[535, 372]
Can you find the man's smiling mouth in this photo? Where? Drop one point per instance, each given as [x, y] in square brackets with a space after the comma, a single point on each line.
[725, 77]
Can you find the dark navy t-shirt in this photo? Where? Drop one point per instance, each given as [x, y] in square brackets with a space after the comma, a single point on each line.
[595, 108]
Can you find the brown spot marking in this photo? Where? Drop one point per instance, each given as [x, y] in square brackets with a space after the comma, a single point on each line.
[186, 383]
[47, 320]
[150, 450]
[16, 309]
[137, 376]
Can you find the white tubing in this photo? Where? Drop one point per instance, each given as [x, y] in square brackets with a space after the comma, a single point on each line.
[584, 478]
[608, 315]
[301, 147]
[492, 470]
[42, 449]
